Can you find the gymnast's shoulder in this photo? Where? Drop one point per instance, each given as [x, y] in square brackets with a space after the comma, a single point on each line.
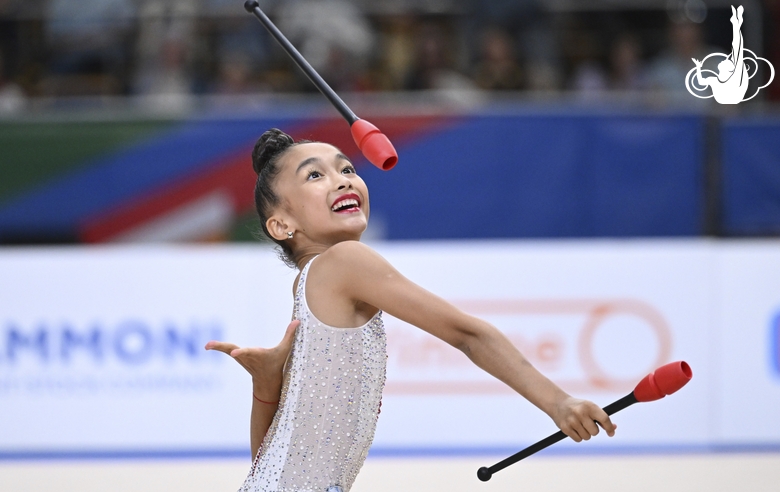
[348, 259]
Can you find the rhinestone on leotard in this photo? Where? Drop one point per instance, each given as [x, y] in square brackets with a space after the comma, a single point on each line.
[331, 394]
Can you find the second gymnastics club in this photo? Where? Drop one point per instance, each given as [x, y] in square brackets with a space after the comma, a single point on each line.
[374, 145]
[664, 381]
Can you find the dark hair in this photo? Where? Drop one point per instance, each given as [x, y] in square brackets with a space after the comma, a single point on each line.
[265, 159]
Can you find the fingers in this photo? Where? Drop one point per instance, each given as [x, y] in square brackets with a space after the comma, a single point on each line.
[238, 352]
[235, 351]
[584, 420]
[576, 432]
[223, 347]
[606, 423]
[582, 430]
[590, 427]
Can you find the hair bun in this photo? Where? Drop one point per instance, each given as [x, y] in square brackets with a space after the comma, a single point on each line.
[270, 144]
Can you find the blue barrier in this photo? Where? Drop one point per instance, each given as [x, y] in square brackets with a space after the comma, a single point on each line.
[547, 176]
[751, 176]
[473, 176]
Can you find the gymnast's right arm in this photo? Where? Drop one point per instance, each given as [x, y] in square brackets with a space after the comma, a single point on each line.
[266, 367]
[362, 275]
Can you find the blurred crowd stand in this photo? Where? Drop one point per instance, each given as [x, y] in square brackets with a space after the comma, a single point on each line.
[166, 53]
[12, 97]
[686, 41]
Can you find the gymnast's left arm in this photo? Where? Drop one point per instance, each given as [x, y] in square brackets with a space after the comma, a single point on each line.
[266, 366]
[369, 278]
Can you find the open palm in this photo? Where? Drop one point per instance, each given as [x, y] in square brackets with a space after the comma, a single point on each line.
[265, 365]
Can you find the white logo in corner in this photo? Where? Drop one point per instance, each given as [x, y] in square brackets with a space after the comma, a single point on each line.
[729, 84]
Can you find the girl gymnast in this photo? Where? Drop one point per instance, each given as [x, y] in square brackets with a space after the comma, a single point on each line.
[317, 394]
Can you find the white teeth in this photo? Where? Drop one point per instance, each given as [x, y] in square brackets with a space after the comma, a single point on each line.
[344, 203]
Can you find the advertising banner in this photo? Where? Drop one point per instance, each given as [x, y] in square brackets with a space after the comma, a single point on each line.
[748, 356]
[594, 318]
[101, 349]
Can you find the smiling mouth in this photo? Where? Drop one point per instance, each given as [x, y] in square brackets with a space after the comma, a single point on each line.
[346, 205]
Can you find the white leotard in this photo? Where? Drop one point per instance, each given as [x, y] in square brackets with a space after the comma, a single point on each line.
[331, 394]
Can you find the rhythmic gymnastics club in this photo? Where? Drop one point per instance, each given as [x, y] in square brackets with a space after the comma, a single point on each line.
[663, 381]
[376, 147]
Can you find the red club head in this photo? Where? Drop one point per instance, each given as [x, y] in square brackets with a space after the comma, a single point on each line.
[664, 381]
[376, 147]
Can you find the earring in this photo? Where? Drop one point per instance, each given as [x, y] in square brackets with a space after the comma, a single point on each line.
[290, 235]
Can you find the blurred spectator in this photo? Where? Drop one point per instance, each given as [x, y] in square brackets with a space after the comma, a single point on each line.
[169, 51]
[434, 62]
[235, 75]
[497, 68]
[333, 35]
[241, 48]
[88, 42]
[589, 78]
[12, 98]
[528, 23]
[164, 54]
[627, 70]
[543, 53]
[169, 85]
[668, 71]
[397, 51]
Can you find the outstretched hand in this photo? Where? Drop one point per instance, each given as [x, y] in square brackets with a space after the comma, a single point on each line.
[265, 365]
[697, 62]
[578, 419]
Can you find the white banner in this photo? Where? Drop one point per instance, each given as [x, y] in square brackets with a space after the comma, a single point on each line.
[594, 317]
[101, 349]
[747, 347]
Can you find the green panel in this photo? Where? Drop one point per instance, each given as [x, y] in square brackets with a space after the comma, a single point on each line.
[247, 228]
[34, 152]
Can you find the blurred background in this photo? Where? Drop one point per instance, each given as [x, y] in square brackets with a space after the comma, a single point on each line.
[553, 168]
[90, 93]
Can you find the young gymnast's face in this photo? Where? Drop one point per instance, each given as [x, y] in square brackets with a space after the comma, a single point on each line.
[323, 199]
